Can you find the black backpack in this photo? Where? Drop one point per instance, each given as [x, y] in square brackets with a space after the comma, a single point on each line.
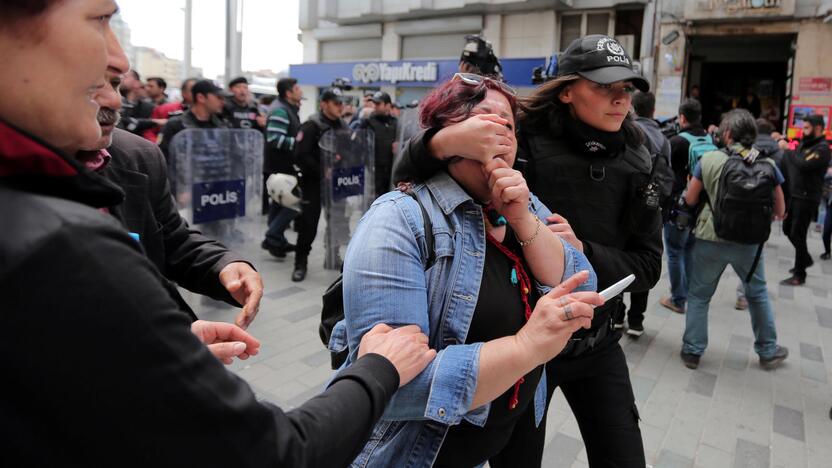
[333, 298]
[662, 177]
[744, 203]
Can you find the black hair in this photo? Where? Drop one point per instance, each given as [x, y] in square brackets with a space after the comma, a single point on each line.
[159, 81]
[15, 10]
[135, 74]
[644, 104]
[816, 120]
[741, 125]
[764, 126]
[189, 80]
[284, 85]
[692, 111]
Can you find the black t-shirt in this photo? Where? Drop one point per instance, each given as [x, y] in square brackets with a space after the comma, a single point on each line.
[241, 116]
[499, 312]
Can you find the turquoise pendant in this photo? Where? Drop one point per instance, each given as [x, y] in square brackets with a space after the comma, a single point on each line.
[514, 276]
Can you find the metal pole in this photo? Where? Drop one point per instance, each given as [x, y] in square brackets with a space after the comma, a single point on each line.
[233, 38]
[186, 68]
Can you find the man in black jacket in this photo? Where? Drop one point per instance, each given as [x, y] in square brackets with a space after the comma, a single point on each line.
[136, 112]
[308, 158]
[804, 171]
[182, 254]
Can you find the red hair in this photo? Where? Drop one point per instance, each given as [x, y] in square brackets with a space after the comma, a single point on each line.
[454, 100]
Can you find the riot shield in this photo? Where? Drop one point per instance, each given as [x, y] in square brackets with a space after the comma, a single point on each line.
[347, 157]
[408, 127]
[216, 180]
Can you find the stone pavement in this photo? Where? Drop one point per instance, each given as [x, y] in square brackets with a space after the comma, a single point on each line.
[727, 413]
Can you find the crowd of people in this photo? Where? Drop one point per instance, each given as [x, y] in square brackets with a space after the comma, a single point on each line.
[469, 291]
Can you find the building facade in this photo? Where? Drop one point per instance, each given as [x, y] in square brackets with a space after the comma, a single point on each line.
[406, 47]
[770, 54]
[776, 50]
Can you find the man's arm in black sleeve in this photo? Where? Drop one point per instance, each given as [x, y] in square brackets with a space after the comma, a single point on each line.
[192, 260]
[168, 132]
[416, 162]
[679, 162]
[306, 150]
[127, 374]
[811, 160]
[642, 256]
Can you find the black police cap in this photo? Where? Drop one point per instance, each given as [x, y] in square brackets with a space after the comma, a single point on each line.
[600, 59]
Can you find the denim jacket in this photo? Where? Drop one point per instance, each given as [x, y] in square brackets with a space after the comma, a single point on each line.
[385, 282]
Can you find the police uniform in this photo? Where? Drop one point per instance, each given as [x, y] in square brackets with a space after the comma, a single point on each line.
[308, 159]
[384, 129]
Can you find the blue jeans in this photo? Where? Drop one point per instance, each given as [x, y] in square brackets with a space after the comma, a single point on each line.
[678, 245]
[709, 261]
[279, 219]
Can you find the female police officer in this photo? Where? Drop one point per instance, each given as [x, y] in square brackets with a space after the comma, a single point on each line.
[584, 158]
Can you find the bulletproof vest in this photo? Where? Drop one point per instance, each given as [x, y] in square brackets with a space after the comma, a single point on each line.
[385, 134]
[189, 121]
[601, 197]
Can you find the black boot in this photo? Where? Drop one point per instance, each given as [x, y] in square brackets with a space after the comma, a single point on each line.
[299, 274]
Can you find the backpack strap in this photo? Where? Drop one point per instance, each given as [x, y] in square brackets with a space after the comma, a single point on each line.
[755, 262]
[429, 240]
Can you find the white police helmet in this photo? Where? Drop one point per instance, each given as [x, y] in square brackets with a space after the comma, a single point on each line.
[284, 189]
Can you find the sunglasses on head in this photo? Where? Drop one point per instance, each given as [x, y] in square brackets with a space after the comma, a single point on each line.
[476, 80]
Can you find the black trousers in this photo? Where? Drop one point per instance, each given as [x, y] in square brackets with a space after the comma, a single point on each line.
[638, 305]
[598, 389]
[307, 221]
[264, 209]
[796, 228]
[827, 228]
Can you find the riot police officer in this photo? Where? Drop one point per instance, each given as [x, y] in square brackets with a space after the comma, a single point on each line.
[585, 159]
[308, 159]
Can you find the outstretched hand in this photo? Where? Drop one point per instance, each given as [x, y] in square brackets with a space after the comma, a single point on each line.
[225, 340]
[246, 287]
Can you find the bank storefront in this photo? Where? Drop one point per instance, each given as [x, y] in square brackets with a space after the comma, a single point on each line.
[406, 80]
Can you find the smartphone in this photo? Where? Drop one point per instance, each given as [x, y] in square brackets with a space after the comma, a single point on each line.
[617, 288]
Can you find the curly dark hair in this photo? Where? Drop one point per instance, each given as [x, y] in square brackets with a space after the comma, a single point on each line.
[544, 112]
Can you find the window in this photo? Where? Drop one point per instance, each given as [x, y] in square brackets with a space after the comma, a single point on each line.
[570, 29]
[432, 46]
[575, 25]
[598, 23]
[350, 50]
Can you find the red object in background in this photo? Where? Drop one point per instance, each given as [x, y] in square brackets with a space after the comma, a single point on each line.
[161, 112]
[818, 85]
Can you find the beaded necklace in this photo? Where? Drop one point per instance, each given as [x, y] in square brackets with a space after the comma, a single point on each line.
[519, 277]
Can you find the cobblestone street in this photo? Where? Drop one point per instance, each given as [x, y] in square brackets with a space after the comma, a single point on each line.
[727, 413]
